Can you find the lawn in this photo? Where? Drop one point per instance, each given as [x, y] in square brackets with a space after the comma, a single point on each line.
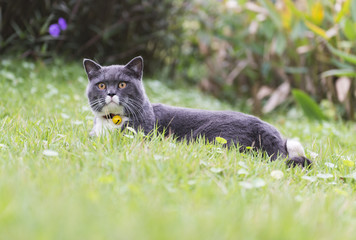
[58, 183]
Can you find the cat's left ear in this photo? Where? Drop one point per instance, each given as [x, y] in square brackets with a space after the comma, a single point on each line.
[136, 65]
[91, 67]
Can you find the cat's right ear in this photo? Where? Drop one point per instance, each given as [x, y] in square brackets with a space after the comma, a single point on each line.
[91, 67]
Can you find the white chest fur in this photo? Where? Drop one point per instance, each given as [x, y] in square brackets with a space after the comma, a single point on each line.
[102, 126]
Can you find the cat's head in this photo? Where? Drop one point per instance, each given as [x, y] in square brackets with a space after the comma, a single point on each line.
[115, 89]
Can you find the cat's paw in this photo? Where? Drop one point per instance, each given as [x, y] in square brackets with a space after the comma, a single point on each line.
[93, 133]
[299, 161]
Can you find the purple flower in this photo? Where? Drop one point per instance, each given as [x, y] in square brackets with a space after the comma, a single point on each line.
[54, 30]
[62, 23]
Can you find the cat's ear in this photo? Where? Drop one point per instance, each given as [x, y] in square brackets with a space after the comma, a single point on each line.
[136, 65]
[90, 67]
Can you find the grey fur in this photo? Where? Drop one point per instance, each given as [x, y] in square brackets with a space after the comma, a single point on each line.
[238, 129]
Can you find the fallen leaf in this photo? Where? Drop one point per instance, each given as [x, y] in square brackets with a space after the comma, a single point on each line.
[242, 164]
[277, 174]
[342, 86]
[310, 179]
[352, 175]
[313, 155]
[203, 163]
[50, 153]
[278, 97]
[330, 165]
[65, 116]
[298, 198]
[3, 145]
[263, 92]
[325, 175]
[216, 170]
[257, 183]
[191, 182]
[242, 171]
[77, 122]
[246, 185]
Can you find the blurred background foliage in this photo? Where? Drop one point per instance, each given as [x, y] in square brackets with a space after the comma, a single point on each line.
[109, 31]
[252, 51]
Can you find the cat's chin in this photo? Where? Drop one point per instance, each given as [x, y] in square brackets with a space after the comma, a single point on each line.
[111, 108]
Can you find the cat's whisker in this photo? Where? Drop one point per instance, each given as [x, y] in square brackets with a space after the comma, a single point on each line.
[130, 110]
[137, 106]
[99, 100]
[135, 103]
[130, 105]
[97, 104]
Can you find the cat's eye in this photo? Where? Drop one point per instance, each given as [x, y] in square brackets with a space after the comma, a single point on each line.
[101, 86]
[122, 85]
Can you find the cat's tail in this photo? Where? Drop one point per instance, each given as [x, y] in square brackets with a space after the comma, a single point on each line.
[296, 154]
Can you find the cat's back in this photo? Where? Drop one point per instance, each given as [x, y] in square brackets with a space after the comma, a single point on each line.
[205, 122]
[165, 111]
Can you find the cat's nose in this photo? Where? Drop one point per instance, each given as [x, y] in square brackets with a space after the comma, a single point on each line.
[111, 94]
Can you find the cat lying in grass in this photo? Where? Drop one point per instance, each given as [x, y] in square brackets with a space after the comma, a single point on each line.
[118, 90]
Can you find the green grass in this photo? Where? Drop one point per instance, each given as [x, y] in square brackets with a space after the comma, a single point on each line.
[125, 187]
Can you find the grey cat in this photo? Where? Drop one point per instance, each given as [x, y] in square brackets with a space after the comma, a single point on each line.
[118, 90]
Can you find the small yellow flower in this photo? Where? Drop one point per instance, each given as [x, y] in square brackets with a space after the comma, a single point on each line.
[220, 140]
[348, 163]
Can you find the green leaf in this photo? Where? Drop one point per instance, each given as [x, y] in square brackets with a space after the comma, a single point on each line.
[275, 17]
[281, 44]
[317, 30]
[345, 56]
[353, 10]
[344, 11]
[339, 73]
[308, 105]
[294, 9]
[317, 13]
[220, 140]
[349, 29]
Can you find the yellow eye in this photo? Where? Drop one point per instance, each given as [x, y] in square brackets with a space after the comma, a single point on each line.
[101, 86]
[122, 85]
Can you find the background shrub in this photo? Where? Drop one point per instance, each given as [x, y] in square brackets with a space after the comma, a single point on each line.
[109, 31]
[260, 50]
[242, 51]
